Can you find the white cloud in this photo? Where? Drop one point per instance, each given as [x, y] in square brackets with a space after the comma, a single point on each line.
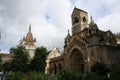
[106, 13]
[18, 14]
[50, 19]
[110, 22]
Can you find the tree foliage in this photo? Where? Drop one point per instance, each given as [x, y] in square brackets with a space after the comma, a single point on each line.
[0, 59]
[0, 63]
[28, 76]
[38, 63]
[65, 75]
[7, 66]
[117, 35]
[62, 75]
[20, 59]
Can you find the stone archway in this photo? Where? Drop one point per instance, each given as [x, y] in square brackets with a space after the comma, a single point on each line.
[76, 61]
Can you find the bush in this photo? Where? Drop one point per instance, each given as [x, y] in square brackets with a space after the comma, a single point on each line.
[15, 76]
[28, 76]
[35, 76]
[65, 75]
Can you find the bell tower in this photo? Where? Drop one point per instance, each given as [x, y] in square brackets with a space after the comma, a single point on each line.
[79, 20]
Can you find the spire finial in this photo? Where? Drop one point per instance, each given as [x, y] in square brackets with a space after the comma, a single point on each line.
[91, 18]
[30, 28]
[68, 31]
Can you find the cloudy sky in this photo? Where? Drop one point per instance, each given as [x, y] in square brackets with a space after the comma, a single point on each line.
[50, 19]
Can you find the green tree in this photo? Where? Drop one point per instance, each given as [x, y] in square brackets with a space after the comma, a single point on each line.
[7, 66]
[20, 60]
[117, 35]
[38, 63]
[0, 59]
[0, 62]
[66, 75]
[15, 76]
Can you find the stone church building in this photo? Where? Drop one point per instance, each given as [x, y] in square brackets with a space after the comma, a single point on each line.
[86, 46]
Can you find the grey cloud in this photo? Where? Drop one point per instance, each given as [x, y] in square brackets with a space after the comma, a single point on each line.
[16, 15]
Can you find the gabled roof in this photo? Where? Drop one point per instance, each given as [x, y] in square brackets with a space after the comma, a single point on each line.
[54, 53]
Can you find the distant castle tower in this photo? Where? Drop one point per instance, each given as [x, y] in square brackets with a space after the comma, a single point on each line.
[29, 43]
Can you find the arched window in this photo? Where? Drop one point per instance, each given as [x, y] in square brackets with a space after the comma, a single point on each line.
[76, 20]
[84, 19]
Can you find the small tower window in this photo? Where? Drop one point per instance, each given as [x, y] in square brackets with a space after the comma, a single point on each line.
[84, 19]
[76, 20]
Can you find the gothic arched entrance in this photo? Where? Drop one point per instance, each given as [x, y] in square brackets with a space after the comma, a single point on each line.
[76, 61]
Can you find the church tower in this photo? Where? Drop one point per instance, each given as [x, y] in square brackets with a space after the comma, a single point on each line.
[79, 20]
[29, 44]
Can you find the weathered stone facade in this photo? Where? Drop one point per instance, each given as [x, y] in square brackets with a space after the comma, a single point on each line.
[56, 58]
[86, 46]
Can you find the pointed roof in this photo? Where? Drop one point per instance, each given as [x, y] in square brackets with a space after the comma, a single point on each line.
[54, 53]
[29, 36]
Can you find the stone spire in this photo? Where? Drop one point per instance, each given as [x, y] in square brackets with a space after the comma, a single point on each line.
[30, 28]
[68, 35]
[68, 32]
[92, 25]
[91, 18]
